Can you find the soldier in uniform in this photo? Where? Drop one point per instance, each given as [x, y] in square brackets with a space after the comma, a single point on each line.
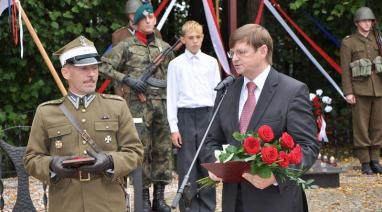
[362, 85]
[129, 30]
[126, 64]
[125, 32]
[54, 139]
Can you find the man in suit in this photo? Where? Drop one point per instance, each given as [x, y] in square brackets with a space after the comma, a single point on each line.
[262, 96]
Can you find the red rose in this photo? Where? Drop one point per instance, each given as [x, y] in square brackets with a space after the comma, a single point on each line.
[251, 145]
[317, 112]
[284, 159]
[269, 154]
[316, 102]
[266, 133]
[286, 141]
[295, 155]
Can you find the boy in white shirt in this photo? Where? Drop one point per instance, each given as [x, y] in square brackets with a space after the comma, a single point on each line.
[191, 79]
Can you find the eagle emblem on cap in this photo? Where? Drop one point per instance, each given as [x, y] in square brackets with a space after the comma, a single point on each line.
[82, 41]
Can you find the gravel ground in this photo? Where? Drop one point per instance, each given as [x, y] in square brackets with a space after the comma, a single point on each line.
[356, 193]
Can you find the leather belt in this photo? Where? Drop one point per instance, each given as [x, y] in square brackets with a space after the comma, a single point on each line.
[84, 176]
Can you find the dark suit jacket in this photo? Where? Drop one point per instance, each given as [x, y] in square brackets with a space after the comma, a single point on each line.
[283, 105]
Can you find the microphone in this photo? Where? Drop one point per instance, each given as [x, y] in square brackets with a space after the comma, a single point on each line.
[225, 83]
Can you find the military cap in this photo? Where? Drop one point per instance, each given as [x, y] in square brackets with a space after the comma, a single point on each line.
[364, 13]
[142, 11]
[132, 6]
[79, 52]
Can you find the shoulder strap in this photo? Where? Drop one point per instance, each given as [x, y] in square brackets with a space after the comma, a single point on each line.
[85, 135]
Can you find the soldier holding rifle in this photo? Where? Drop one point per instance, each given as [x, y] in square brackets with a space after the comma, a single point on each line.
[127, 63]
[361, 63]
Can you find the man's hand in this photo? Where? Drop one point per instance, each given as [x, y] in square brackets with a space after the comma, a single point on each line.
[136, 84]
[55, 166]
[259, 182]
[102, 164]
[214, 177]
[176, 139]
[350, 99]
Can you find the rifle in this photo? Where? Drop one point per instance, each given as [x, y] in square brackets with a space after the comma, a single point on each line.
[377, 34]
[150, 70]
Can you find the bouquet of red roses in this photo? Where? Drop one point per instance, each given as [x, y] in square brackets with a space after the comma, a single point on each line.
[265, 155]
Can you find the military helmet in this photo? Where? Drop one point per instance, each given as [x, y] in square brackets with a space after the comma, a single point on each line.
[132, 6]
[364, 13]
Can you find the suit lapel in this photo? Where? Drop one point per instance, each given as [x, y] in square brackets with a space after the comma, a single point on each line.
[265, 98]
[235, 96]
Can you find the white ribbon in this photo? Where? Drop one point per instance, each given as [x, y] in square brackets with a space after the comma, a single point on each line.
[215, 38]
[21, 31]
[322, 134]
[165, 15]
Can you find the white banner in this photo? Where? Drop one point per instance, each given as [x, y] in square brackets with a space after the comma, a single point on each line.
[215, 37]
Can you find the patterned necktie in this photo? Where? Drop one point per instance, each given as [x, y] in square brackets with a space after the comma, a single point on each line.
[248, 108]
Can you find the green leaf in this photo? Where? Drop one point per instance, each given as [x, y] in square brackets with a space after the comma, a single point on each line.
[54, 25]
[238, 136]
[68, 14]
[264, 172]
[231, 149]
[228, 158]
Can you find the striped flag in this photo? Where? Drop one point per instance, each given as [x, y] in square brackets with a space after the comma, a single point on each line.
[215, 35]
[4, 4]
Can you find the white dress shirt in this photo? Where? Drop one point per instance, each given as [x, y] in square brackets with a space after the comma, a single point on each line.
[191, 79]
[259, 82]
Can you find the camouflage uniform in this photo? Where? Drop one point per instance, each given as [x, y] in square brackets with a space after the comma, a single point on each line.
[130, 57]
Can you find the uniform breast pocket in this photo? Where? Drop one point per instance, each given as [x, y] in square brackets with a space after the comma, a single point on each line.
[61, 140]
[106, 135]
[358, 53]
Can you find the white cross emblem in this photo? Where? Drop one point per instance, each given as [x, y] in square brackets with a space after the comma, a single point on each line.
[108, 139]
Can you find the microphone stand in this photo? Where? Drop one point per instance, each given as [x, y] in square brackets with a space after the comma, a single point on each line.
[180, 192]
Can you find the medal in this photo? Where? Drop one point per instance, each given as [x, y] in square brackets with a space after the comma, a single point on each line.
[108, 139]
[58, 144]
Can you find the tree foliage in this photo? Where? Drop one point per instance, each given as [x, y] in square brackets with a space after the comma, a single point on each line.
[26, 82]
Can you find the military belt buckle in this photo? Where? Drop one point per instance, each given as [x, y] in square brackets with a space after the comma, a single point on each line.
[84, 176]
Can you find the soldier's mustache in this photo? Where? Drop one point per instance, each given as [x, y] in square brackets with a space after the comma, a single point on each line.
[90, 81]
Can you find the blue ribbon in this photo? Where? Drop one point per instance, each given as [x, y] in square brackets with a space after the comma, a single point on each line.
[9, 15]
[322, 29]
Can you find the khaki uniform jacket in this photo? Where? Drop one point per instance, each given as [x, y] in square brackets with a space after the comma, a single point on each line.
[355, 47]
[108, 121]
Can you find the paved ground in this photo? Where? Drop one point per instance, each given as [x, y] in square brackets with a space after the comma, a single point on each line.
[356, 193]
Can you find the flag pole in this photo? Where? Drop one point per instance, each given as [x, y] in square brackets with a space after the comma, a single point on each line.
[42, 51]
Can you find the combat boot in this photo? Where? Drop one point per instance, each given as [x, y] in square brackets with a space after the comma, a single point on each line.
[376, 167]
[146, 200]
[159, 204]
[366, 169]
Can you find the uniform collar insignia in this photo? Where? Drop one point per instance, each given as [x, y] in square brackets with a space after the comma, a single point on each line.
[77, 100]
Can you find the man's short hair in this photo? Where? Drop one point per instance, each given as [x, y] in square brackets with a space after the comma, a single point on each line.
[191, 26]
[255, 35]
